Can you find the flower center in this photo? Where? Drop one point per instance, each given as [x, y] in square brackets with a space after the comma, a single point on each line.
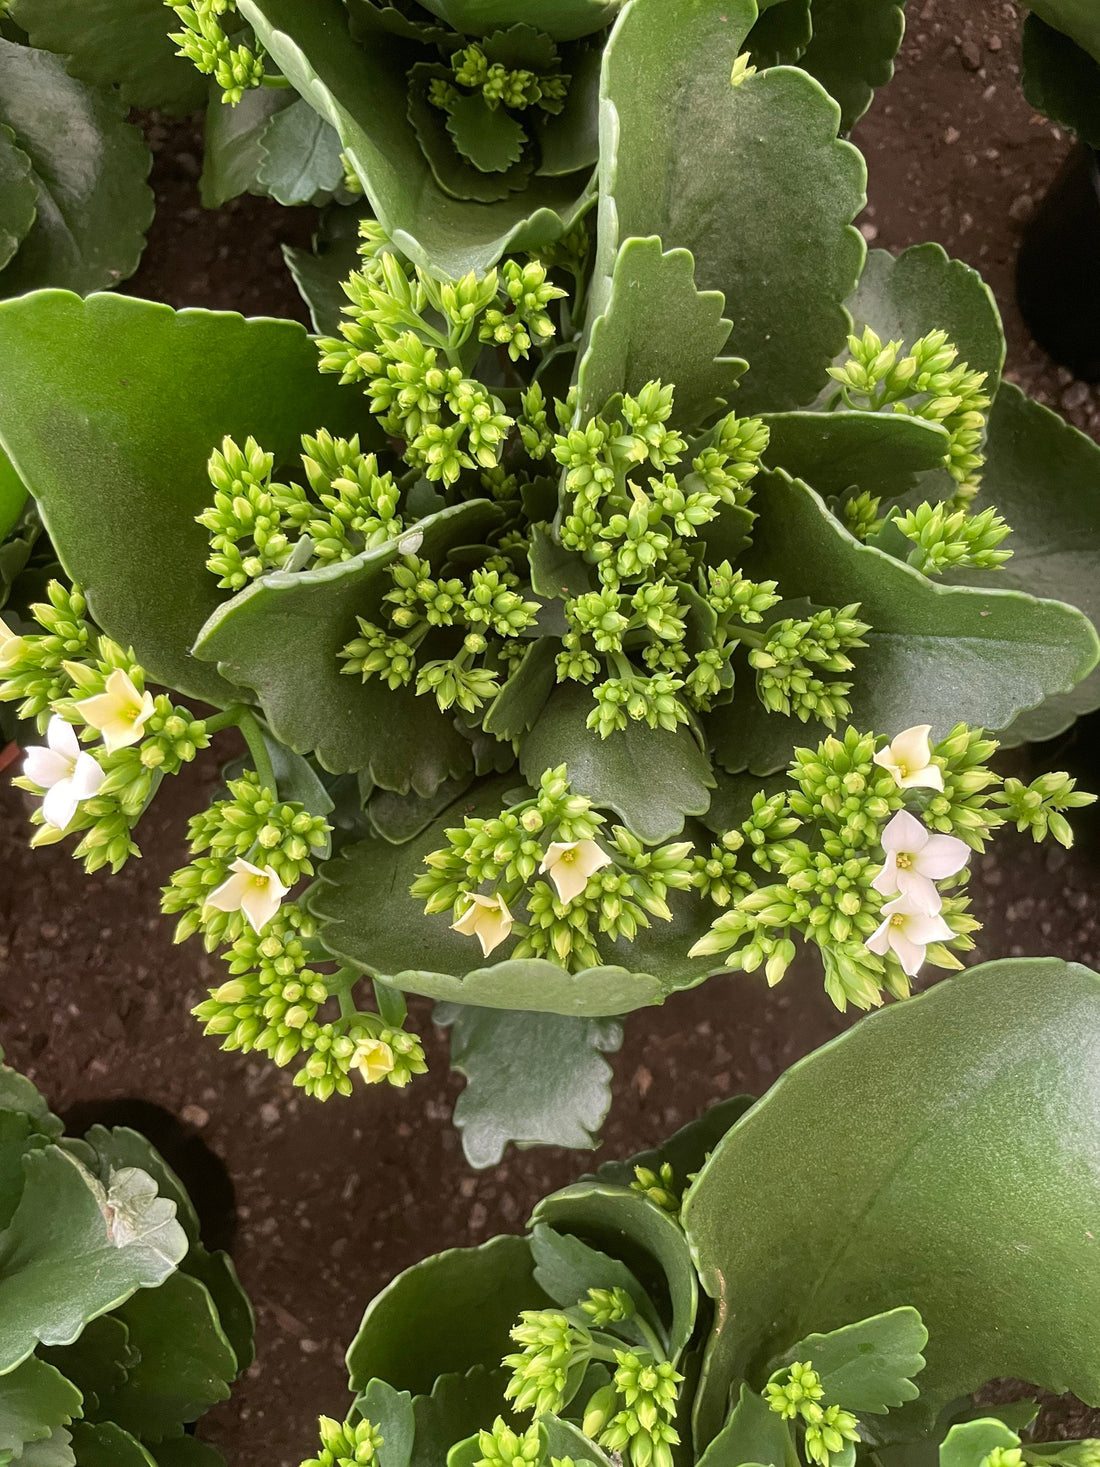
[904, 860]
[897, 920]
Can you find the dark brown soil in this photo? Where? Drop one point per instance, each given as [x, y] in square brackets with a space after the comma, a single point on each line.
[333, 1200]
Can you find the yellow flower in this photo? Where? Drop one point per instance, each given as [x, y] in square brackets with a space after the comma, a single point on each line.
[12, 646]
[570, 863]
[909, 759]
[373, 1058]
[120, 713]
[487, 918]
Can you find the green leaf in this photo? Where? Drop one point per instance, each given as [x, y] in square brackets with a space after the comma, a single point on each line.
[188, 1451]
[13, 496]
[923, 290]
[562, 20]
[320, 273]
[56, 1451]
[658, 327]
[1077, 18]
[35, 1399]
[454, 173]
[301, 161]
[834, 452]
[935, 654]
[217, 1273]
[392, 1413]
[566, 1440]
[556, 571]
[969, 1443]
[115, 452]
[1061, 79]
[17, 1137]
[107, 1445]
[536, 1079]
[311, 705]
[567, 1268]
[751, 179]
[368, 919]
[232, 143]
[1044, 477]
[407, 1340]
[852, 50]
[492, 140]
[19, 1094]
[117, 42]
[184, 1366]
[458, 1406]
[869, 1366]
[624, 1224]
[569, 140]
[400, 818]
[96, 1363]
[361, 91]
[89, 164]
[58, 1266]
[941, 1144]
[18, 196]
[677, 778]
[781, 34]
[754, 1433]
[517, 707]
[120, 1147]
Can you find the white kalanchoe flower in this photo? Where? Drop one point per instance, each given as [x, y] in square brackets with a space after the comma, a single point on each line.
[487, 918]
[909, 759]
[915, 859]
[120, 713]
[256, 891]
[66, 773]
[12, 646]
[373, 1058]
[906, 931]
[569, 864]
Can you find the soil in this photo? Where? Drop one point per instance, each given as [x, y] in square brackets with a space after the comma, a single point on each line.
[333, 1200]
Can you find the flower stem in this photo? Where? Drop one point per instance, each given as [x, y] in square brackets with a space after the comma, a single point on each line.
[261, 760]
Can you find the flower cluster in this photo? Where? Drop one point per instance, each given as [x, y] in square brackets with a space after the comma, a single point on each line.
[346, 1445]
[251, 849]
[476, 68]
[863, 848]
[796, 1394]
[641, 633]
[550, 882]
[414, 340]
[204, 42]
[81, 686]
[631, 1416]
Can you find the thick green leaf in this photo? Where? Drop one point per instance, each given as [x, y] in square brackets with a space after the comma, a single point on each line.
[188, 1451]
[55, 1451]
[13, 496]
[35, 1399]
[834, 452]
[19, 1094]
[868, 1366]
[923, 290]
[368, 919]
[232, 145]
[852, 50]
[563, 20]
[58, 1265]
[218, 1274]
[658, 327]
[563, 1439]
[1078, 18]
[18, 195]
[114, 449]
[407, 1340]
[184, 1366]
[1061, 79]
[17, 1137]
[535, 1079]
[569, 140]
[320, 273]
[392, 1413]
[454, 173]
[301, 161]
[400, 818]
[935, 654]
[107, 1445]
[1044, 477]
[624, 1224]
[96, 1363]
[970, 1158]
[518, 705]
[970, 1442]
[751, 179]
[491, 139]
[677, 778]
[311, 705]
[361, 91]
[781, 34]
[122, 42]
[753, 1433]
[458, 1406]
[567, 1268]
[89, 164]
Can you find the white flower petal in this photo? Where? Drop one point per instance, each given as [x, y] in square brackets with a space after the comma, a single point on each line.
[920, 893]
[904, 832]
[927, 927]
[59, 805]
[909, 954]
[227, 897]
[930, 778]
[46, 767]
[62, 739]
[886, 881]
[87, 777]
[943, 855]
[879, 941]
[912, 747]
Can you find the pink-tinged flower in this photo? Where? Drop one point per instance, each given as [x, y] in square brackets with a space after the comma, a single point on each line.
[256, 891]
[909, 759]
[906, 931]
[64, 771]
[487, 918]
[570, 863]
[916, 858]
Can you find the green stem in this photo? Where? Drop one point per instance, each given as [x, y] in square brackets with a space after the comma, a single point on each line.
[229, 718]
[275, 81]
[651, 1339]
[261, 760]
[748, 636]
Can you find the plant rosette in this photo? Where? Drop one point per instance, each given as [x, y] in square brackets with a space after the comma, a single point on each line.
[564, 684]
[118, 1329]
[734, 1297]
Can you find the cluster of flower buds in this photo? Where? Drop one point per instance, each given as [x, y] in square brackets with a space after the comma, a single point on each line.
[550, 881]
[204, 42]
[477, 67]
[796, 1394]
[344, 1444]
[864, 846]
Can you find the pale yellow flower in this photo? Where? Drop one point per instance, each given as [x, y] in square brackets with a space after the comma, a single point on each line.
[487, 918]
[255, 891]
[570, 863]
[12, 646]
[909, 759]
[120, 713]
[373, 1058]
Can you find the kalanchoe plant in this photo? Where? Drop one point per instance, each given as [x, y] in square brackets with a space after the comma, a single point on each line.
[527, 598]
[740, 1296]
[118, 1328]
[1061, 64]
